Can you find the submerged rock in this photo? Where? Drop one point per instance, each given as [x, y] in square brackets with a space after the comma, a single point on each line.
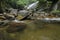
[40, 24]
[16, 27]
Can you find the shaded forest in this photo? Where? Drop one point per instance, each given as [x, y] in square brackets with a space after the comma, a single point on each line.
[29, 19]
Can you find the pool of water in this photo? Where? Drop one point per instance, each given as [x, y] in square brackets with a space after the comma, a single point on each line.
[34, 31]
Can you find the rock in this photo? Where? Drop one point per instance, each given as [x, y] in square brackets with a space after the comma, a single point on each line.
[4, 23]
[23, 12]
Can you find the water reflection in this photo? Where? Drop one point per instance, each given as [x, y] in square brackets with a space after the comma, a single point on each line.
[36, 30]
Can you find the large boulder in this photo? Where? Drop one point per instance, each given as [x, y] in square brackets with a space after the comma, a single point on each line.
[23, 12]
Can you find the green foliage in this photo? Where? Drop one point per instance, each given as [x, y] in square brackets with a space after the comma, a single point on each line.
[57, 11]
[42, 1]
[14, 3]
[25, 2]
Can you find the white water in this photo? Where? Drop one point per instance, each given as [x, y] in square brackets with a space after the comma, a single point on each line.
[51, 19]
[33, 5]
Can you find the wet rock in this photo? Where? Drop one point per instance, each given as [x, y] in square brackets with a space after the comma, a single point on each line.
[3, 24]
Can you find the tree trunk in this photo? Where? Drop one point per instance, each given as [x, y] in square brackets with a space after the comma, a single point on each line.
[55, 7]
[1, 11]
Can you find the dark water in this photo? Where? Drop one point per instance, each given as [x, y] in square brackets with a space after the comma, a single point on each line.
[34, 31]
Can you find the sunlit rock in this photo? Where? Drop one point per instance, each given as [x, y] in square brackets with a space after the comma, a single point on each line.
[23, 12]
